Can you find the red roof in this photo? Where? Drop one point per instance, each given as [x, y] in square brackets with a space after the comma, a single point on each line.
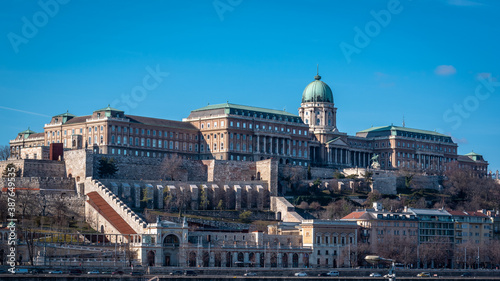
[354, 215]
[109, 213]
[5, 189]
[467, 214]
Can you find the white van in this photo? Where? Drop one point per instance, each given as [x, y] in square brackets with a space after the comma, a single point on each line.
[333, 273]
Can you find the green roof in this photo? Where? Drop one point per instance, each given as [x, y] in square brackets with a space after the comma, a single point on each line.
[245, 107]
[65, 114]
[473, 154]
[109, 108]
[27, 133]
[402, 129]
[317, 91]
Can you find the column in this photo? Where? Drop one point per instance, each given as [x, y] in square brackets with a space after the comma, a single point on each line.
[279, 260]
[283, 146]
[265, 145]
[211, 263]
[301, 260]
[277, 146]
[290, 260]
[342, 156]
[257, 259]
[336, 156]
[235, 259]
[245, 257]
[258, 144]
[223, 259]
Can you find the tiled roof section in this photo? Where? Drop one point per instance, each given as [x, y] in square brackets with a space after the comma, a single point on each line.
[402, 129]
[245, 107]
[354, 215]
[429, 212]
[109, 213]
[463, 158]
[79, 119]
[37, 135]
[161, 122]
[467, 214]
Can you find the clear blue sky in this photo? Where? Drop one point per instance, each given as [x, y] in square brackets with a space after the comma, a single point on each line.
[434, 62]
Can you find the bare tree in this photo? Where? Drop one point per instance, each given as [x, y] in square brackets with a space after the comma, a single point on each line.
[4, 152]
[171, 167]
[336, 210]
[291, 176]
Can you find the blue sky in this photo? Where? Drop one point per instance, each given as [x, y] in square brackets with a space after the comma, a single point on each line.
[434, 62]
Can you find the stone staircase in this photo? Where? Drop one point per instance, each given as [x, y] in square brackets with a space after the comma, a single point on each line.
[133, 220]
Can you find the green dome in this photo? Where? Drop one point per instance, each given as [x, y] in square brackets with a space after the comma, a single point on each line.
[317, 91]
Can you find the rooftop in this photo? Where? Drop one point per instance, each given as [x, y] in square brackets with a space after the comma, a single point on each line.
[244, 107]
[402, 129]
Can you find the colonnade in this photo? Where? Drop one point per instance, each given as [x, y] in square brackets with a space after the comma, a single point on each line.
[277, 146]
[346, 157]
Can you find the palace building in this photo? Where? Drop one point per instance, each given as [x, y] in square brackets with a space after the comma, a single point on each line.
[246, 133]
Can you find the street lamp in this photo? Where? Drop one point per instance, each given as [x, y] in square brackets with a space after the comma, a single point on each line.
[391, 275]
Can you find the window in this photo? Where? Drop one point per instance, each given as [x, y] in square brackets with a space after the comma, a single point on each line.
[142, 141]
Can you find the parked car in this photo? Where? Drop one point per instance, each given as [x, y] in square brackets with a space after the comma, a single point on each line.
[375, 274]
[176, 272]
[117, 272]
[300, 274]
[36, 271]
[466, 274]
[190, 273]
[93, 272]
[333, 273]
[250, 274]
[424, 274]
[323, 274]
[136, 273]
[21, 271]
[75, 272]
[55, 272]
